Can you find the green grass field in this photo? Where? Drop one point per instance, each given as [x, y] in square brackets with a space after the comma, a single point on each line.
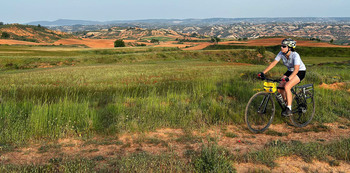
[54, 92]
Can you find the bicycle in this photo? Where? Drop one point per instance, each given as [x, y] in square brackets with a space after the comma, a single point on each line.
[260, 110]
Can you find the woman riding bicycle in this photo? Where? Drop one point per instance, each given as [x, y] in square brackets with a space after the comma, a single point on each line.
[294, 75]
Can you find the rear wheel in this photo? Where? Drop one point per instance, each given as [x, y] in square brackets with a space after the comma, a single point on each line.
[259, 112]
[303, 109]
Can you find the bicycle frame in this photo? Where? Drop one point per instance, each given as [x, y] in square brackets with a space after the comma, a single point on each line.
[265, 100]
[301, 101]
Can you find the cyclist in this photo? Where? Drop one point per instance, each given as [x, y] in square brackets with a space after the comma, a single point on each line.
[294, 75]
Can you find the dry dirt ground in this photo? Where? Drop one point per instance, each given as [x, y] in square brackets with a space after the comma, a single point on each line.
[178, 141]
[335, 86]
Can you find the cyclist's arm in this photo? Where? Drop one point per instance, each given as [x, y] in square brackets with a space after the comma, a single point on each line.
[273, 64]
[295, 72]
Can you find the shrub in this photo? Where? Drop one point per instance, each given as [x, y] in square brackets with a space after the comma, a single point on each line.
[5, 35]
[213, 159]
[154, 41]
[119, 43]
[194, 35]
[215, 39]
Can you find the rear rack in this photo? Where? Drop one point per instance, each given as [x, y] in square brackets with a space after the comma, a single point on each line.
[307, 87]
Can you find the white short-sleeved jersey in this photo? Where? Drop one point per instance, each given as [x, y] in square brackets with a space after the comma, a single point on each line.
[294, 59]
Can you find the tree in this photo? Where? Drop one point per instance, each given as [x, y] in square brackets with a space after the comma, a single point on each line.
[5, 35]
[1, 23]
[331, 41]
[215, 39]
[194, 35]
[119, 43]
[154, 41]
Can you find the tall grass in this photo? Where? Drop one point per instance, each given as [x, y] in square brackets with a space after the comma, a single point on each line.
[189, 90]
[77, 103]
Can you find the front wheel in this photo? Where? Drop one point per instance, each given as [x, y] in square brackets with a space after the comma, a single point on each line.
[259, 112]
[303, 109]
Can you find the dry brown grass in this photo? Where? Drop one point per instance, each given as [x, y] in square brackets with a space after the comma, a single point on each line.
[171, 140]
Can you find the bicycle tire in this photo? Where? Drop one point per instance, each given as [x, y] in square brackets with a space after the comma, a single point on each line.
[256, 121]
[300, 118]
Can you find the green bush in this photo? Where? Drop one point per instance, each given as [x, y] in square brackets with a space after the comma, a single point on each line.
[213, 159]
[5, 35]
[154, 41]
[215, 39]
[119, 43]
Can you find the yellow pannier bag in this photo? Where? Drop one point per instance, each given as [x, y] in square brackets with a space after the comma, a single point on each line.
[270, 87]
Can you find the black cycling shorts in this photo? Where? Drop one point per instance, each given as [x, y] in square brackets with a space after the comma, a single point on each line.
[300, 74]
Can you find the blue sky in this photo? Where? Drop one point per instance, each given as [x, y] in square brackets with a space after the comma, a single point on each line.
[23, 11]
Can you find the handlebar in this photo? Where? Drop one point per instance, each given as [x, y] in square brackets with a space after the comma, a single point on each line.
[273, 80]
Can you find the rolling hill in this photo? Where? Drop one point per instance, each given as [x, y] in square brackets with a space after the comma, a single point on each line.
[133, 33]
[37, 34]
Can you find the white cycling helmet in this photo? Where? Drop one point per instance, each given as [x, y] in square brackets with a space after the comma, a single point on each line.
[289, 42]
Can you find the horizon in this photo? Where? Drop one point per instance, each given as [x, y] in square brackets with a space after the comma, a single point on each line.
[63, 19]
[185, 18]
[21, 11]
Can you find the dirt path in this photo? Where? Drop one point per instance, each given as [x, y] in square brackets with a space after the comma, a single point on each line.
[236, 139]
[335, 86]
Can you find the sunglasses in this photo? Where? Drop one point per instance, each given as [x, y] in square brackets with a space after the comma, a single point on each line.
[284, 46]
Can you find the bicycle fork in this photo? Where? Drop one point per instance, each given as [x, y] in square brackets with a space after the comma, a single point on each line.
[263, 104]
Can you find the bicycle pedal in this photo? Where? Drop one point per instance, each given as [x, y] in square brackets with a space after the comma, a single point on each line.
[287, 113]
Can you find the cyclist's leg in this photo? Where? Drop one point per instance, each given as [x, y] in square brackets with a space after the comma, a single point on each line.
[288, 86]
[282, 91]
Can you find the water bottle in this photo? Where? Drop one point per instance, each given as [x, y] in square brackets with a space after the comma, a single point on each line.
[280, 98]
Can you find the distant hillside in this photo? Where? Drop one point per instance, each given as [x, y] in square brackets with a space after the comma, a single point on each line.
[31, 33]
[133, 33]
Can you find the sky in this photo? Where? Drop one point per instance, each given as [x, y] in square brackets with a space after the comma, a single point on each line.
[24, 11]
